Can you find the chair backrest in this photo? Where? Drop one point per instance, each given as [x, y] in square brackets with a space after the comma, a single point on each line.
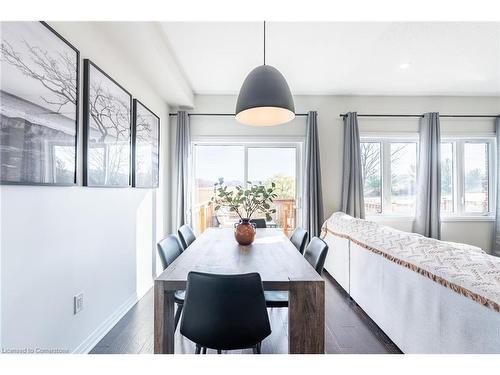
[225, 312]
[169, 249]
[299, 239]
[186, 236]
[259, 223]
[315, 253]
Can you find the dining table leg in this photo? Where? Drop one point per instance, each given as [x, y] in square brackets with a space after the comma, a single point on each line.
[164, 326]
[306, 317]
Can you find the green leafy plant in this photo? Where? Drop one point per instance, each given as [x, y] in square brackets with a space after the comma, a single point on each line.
[245, 201]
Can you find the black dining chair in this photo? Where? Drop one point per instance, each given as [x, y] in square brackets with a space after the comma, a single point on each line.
[225, 312]
[169, 249]
[299, 239]
[259, 223]
[315, 254]
[186, 236]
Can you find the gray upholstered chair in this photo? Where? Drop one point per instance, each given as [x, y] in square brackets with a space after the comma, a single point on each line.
[259, 223]
[315, 254]
[186, 236]
[225, 312]
[299, 239]
[169, 249]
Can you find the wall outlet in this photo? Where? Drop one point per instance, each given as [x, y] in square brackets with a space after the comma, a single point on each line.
[77, 303]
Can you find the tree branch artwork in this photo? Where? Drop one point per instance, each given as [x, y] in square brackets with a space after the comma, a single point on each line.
[143, 129]
[39, 105]
[55, 72]
[110, 114]
[110, 119]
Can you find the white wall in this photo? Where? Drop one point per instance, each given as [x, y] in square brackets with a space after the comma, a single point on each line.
[331, 137]
[59, 241]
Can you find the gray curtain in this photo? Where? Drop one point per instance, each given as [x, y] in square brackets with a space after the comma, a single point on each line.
[428, 221]
[313, 199]
[496, 239]
[182, 152]
[353, 202]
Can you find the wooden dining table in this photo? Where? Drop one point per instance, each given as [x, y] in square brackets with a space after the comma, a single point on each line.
[281, 267]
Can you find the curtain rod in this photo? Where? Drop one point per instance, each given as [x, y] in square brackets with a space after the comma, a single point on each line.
[465, 116]
[222, 114]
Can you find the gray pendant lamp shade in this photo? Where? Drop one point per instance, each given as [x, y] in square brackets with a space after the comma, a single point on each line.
[265, 98]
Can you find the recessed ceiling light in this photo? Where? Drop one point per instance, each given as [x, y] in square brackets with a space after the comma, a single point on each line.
[405, 66]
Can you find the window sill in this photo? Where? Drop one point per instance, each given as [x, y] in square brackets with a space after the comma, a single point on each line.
[385, 218]
[467, 218]
[444, 219]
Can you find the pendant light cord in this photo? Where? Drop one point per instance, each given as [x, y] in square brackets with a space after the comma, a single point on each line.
[264, 42]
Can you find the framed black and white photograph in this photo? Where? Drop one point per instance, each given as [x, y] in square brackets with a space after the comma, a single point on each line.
[38, 105]
[107, 130]
[146, 150]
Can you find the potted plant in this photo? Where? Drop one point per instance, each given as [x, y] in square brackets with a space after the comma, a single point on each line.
[244, 202]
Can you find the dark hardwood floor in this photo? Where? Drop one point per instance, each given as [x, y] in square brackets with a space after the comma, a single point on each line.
[348, 329]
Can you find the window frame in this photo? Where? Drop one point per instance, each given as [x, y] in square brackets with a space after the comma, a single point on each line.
[459, 212]
[454, 169]
[458, 141]
[252, 142]
[385, 141]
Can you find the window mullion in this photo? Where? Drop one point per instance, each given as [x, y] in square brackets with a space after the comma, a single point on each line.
[245, 166]
[460, 177]
[386, 177]
[192, 179]
[298, 185]
[493, 178]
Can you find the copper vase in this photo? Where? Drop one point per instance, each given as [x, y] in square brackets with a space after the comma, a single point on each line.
[244, 232]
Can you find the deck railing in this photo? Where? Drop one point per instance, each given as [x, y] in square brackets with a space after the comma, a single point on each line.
[446, 206]
[204, 216]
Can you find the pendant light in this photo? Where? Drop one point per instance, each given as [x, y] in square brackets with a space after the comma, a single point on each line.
[265, 98]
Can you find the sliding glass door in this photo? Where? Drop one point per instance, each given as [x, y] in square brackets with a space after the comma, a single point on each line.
[237, 163]
[211, 162]
[278, 165]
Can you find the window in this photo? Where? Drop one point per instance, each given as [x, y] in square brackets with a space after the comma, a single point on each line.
[403, 168]
[239, 162]
[371, 165]
[389, 176]
[389, 167]
[210, 163]
[476, 177]
[447, 177]
[276, 164]
[466, 176]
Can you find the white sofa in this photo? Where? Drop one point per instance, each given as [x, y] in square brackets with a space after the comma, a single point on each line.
[418, 314]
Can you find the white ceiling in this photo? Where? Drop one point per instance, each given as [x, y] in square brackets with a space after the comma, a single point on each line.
[144, 46]
[342, 58]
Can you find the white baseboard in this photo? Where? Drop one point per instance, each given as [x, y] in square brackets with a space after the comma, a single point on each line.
[88, 344]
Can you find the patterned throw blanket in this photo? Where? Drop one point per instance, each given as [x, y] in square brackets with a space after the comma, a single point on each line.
[465, 269]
